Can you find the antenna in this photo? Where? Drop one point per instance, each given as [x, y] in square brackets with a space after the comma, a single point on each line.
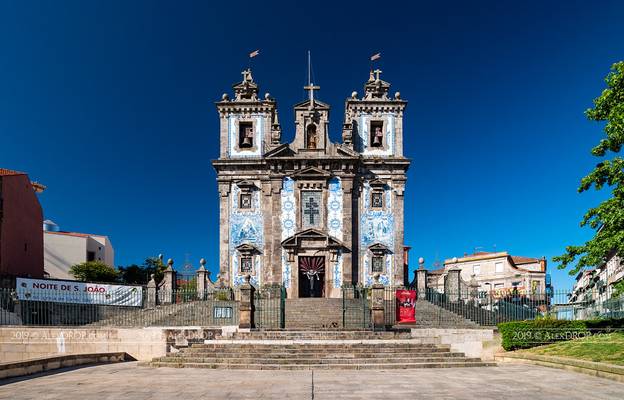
[309, 69]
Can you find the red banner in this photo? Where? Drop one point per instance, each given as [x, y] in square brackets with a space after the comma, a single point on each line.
[405, 306]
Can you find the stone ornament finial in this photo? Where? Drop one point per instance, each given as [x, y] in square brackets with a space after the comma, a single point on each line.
[397, 95]
[170, 262]
[267, 96]
[354, 95]
[421, 263]
[202, 261]
[225, 97]
[160, 257]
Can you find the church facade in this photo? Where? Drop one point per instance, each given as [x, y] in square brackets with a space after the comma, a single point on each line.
[311, 215]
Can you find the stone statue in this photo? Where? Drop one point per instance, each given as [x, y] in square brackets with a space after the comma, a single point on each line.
[312, 138]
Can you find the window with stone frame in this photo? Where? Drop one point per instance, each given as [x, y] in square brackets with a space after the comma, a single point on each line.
[245, 135]
[376, 134]
[377, 199]
[245, 201]
[377, 264]
[246, 264]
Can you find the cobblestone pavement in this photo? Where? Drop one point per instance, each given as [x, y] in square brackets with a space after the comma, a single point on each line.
[128, 381]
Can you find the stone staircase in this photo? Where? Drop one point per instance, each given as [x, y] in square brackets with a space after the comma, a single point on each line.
[313, 313]
[296, 350]
[429, 315]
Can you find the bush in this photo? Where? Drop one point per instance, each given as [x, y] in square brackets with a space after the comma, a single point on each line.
[94, 271]
[526, 334]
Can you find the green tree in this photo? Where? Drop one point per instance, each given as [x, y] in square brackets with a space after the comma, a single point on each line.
[608, 218]
[134, 274]
[94, 271]
[154, 265]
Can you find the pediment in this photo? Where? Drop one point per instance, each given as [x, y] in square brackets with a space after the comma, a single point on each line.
[377, 183]
[312, 172]
[282, 150]
[379, 248]
[299, 240]
[318, 105]
[247, 248]
[249, 185]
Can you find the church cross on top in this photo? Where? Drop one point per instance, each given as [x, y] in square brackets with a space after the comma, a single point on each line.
[311, 88]
[377, 72]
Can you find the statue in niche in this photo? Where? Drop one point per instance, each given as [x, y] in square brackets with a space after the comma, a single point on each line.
[377, 135]
[312, 139]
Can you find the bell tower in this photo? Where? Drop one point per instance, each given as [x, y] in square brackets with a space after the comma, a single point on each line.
[311, 124]
[249, 127]
[374, 124]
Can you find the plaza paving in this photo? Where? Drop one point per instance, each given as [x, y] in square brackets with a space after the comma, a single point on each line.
[130, 382]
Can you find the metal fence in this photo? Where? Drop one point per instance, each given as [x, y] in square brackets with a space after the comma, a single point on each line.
[488, 308]
[175, 308]
[356, 311]
[269, 307]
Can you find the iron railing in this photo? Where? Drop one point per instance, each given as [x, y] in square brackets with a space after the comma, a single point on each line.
[356, 311]
[269, 307]
[175, 308]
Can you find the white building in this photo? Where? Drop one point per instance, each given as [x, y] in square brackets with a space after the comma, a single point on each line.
[496, 273]
[61, 250]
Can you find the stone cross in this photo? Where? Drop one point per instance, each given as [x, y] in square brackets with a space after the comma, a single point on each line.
[311, 88]
[311, 209]
[377, 72]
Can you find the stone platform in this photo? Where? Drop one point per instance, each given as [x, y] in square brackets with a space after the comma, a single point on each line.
[291, 350]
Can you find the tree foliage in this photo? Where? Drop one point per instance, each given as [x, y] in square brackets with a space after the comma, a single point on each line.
[608, 217]
[141, 274]
[94, 271]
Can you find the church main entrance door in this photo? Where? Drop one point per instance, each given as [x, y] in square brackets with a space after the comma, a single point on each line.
[311, 276]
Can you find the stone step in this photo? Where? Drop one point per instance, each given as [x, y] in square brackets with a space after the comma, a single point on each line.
[379, 366]
[311, 354]
[323, 360]
[372, 347]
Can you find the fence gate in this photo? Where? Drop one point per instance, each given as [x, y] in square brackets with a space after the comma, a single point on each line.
[269, 307]
[356, 313]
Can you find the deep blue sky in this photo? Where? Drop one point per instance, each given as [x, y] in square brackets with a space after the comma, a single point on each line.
[110, 104]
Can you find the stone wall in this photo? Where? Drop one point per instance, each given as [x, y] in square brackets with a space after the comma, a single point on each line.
[143, 344]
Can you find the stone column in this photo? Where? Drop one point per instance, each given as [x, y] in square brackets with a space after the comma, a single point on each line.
[246, 310]
[348, 217]
[275, 239]
[151, 293]
[224, 231]
[377, 307]
[421, 280]
[452, 285]
[473, 289]
[201, 280]
[167, 286]
[398, 184]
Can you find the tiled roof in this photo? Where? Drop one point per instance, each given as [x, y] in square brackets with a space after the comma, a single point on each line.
[86, 235]
[8, 172]
[524, 260]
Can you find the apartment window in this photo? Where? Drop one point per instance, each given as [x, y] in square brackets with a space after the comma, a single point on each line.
[498, 285]
[498, 267]
[476, 269]
[378, 262]
[90, 255]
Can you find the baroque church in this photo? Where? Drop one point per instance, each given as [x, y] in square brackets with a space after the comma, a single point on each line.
[311, 215]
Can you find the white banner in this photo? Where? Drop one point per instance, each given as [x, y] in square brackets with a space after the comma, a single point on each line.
[78, 292]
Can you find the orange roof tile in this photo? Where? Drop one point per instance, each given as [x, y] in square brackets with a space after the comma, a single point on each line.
[9, 172]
